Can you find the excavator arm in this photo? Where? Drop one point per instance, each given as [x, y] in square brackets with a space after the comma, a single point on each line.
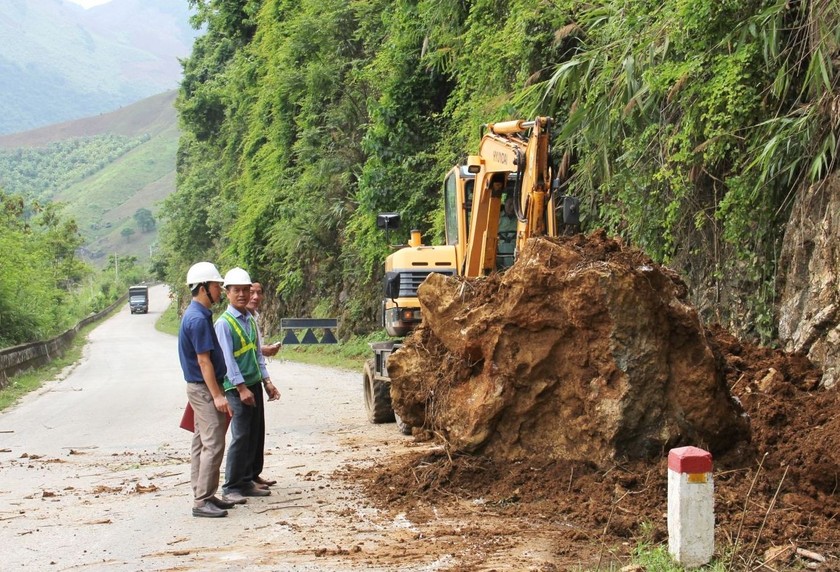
[519, 148]
[509, 152]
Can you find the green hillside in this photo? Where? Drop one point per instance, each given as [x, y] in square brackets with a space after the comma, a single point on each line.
[104, 203]
[689, 128]
[60, 163]
[104, 169]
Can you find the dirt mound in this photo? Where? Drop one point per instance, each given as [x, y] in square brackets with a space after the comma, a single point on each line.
[583, 350]
[779, 490]
[795, 424]
[560, 379]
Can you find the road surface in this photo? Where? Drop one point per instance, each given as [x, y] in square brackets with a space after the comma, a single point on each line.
[94, 470]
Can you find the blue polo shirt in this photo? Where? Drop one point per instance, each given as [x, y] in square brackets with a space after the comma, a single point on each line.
[197, 336]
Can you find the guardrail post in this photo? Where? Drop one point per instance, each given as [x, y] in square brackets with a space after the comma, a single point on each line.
[691, 518]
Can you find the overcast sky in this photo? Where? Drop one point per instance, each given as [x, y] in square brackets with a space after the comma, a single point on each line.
[89, 3]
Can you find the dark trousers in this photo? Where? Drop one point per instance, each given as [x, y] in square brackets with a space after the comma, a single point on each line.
[259, 441]
[247, 436]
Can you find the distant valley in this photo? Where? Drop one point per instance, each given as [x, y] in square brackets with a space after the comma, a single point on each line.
[106, 169]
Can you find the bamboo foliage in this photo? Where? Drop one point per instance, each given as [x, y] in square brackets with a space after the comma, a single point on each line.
[690, 123]
[693, 130]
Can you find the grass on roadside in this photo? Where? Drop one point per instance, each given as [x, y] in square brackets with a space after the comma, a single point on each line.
[350, 355]
[650, 555]
[657, 558]
[169, 321]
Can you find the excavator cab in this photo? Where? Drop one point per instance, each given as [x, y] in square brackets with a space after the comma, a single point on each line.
[458, 188]
[508, 226]
[405, 270]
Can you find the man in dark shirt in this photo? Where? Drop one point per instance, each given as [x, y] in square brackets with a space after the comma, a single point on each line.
[204, 369]
[272, 392]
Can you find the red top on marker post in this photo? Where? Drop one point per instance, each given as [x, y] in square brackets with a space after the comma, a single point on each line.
[690, 460]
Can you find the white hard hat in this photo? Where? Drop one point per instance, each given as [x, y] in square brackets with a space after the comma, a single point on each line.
[237, 277]
[202, 272]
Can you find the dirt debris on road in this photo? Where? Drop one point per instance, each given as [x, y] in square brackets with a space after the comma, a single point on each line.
[555, 391]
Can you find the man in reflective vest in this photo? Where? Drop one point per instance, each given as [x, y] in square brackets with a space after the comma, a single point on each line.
[246, 371]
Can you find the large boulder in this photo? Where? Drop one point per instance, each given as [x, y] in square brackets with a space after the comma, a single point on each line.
[583, 350]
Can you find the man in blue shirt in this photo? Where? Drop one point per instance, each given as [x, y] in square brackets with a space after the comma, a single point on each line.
[204, 369]
[240, 340]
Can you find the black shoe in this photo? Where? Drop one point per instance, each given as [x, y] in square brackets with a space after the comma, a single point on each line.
[209, 510]
[255, 491]
[221, 502]
[266, 482]
[234, 497]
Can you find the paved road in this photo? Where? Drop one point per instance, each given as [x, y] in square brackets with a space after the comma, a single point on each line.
[94, 471]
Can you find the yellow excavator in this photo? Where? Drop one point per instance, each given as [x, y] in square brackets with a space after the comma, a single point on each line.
[512, 165]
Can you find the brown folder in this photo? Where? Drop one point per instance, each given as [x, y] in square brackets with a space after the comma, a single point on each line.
[188, 418]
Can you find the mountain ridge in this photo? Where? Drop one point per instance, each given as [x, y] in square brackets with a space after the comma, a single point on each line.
[131, 120]
[65, 62]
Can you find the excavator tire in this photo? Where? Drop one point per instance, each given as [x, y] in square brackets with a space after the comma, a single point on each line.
[404, 427]
[377, 396]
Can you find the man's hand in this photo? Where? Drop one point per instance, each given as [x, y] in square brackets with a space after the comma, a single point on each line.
[270, 350]
[222, 406]
[245, 395]
[273, 392]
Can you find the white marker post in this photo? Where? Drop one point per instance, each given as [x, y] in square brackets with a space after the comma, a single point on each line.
[691, 506]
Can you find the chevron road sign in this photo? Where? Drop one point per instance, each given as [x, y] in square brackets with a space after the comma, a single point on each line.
[290, 328]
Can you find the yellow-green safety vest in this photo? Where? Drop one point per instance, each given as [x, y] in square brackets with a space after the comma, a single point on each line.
[244, 351]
